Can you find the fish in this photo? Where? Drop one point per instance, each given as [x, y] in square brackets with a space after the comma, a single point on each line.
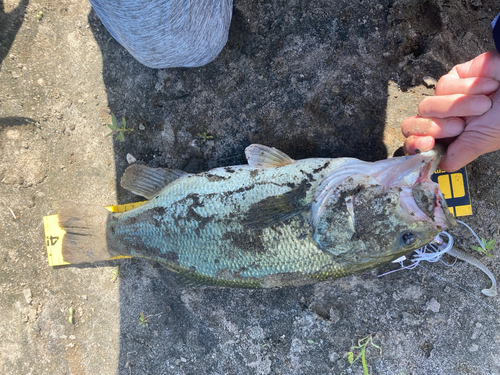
[273, 222]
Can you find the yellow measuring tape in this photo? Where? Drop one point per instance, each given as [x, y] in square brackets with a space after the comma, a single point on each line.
[454, 186]
[54, 234]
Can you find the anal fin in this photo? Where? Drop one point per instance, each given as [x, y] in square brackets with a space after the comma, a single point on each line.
[147, 181]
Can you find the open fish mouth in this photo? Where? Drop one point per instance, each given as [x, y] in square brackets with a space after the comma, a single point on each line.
[409, 170]
[420, 197]
[426, 202]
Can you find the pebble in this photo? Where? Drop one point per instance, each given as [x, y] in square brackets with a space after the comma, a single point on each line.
[474, 348]
[433, 305]
[27, 296]
[131, 159]
[429, 81]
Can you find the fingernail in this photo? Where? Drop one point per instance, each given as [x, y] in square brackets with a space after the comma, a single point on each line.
[424, 143]
[481, 104]
[490, 86]
[454, 127]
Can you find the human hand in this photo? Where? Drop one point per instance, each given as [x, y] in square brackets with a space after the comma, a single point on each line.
[461, 112]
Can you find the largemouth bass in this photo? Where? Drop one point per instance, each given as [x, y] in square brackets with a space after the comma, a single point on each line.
[272, 223]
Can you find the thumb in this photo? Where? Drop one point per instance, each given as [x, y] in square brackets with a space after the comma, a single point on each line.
[467, 147]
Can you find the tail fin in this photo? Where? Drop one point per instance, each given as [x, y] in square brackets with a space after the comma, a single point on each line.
[85, 238]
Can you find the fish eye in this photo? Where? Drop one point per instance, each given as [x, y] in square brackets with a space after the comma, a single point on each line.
[407, 239]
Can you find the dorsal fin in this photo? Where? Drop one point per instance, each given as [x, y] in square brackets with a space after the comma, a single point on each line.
[147, 181]
[260, 156]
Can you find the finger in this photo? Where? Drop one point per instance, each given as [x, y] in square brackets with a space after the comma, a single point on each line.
[449, 84]
[484, 65]
[434, 127]
[415, 144]
[458, 105]
[466, 148]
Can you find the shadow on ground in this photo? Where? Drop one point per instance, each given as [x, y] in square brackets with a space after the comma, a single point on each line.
[309, 78]
[10, 23]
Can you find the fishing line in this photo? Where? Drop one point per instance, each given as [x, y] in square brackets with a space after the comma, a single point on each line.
[430, 253]
[435, 250]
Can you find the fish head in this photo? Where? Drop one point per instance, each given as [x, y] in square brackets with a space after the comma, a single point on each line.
[366, 214]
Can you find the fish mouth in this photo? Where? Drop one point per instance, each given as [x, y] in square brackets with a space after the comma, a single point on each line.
[408, 170]
[434, 157]
[424, 200]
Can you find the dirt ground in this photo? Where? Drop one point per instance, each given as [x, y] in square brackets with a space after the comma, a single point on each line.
[313, 78]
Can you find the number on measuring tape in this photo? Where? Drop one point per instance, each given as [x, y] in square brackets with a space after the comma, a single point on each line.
[52, 240]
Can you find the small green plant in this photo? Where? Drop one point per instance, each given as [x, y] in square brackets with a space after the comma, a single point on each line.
[39, 16]
[117, 130]
[205, 137]
[116, 274]
[362, 344]
[71, 318]
[310, 341]
[487, 245]
[143, 319]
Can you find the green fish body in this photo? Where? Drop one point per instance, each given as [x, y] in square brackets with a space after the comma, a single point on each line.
[274, 222]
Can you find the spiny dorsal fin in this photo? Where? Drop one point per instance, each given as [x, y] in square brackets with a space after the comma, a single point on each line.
[275, 209]
[147, 181]
[260, 156]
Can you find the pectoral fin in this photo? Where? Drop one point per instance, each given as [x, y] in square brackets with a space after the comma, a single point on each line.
[275, 209]
[147, 181]
[260, 156]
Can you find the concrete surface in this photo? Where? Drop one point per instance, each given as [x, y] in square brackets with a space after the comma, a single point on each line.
[312, 78]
